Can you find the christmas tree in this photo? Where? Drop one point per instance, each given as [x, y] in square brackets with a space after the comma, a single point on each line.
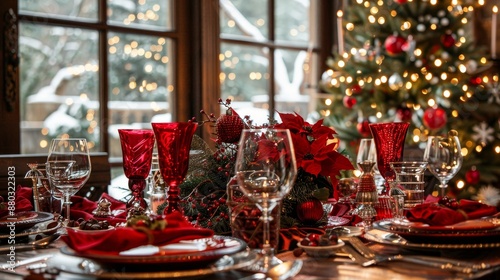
[416, 61]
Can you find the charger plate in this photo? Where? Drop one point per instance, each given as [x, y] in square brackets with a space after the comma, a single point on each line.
[217, 246]
[89, 268]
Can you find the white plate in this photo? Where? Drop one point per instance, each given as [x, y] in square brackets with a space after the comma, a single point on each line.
[322, 251]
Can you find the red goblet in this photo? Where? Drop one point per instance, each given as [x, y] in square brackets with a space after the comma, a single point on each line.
[174, 143]
[137, 151]
[389, 142]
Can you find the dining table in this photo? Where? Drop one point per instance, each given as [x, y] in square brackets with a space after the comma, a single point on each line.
[344, 263]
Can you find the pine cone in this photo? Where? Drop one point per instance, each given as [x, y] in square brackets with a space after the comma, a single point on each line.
[229, 128]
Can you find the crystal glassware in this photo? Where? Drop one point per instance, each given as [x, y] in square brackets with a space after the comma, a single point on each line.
[173, 141]
[137, 152]
[265, 170]
[68, 167]
[444, 157]
[409, 183]
[366, 196]
[389, 141]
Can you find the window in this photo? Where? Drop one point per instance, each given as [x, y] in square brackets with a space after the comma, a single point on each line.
[269, 56]
[75, 58]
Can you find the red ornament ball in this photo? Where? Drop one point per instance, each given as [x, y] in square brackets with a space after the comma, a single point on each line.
[448, 40]
[475, 81]
[472, 176]
[229, 128]
[349, 101]
[435, 118]
[404, 114]
[364, 128]
[356, 89]
[394, 44]
[401, 1]
[310, 211]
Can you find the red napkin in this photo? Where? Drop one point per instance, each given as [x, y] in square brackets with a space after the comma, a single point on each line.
[124, 238]
[435, 214]
[23, 196]
[82, 207]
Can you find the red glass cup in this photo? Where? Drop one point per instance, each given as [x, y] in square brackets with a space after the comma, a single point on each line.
[137, 152]
[174, 143]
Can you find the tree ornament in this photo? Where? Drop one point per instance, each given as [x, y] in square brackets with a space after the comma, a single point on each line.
[364, 128]
[356, 89]
[404, 114]
[401, 1]
[310, 211]
[475, 80]
[448, 40]
[394, 44]
[395, 82]
[435, 118]
[229, 127]
[472, 176]
[349, 101]
[420, 27]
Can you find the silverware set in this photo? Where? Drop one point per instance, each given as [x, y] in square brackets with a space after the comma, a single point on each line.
[365, 256]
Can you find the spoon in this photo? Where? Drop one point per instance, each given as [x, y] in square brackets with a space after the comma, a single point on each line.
[281, 271]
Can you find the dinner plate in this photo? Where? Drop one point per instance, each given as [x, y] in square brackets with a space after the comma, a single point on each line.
[402, 243]
[463, 233]
[47, 227]
[217, 246]
[89, 268]
[23, 220]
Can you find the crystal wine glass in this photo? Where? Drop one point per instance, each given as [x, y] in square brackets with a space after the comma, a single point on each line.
[68, 168]
[265, 171]
[444, 157]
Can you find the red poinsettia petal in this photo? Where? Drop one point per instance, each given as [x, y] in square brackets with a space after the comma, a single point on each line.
[294, 122]
[267, 150]
[311, 166]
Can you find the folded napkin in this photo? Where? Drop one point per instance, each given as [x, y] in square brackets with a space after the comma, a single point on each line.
[436, 214]
[23, 197]
[82, 207]
[125, 238]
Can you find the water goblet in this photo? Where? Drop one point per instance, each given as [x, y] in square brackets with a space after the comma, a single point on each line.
[173, 141]
[137, 153]
[68, 167]
[265, 172]
[389, 143]
[444, 157]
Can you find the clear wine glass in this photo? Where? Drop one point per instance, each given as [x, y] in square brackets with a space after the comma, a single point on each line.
[68, 168]
[265, 171]
[444, 157]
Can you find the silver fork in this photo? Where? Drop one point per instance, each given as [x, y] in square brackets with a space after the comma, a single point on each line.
[371, 258]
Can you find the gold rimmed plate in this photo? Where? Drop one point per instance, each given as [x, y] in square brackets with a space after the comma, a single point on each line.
[23, 220]
[74, 265]
[216, 247]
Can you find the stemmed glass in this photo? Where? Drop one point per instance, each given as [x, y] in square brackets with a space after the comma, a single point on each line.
[265, 171]
[173, 141]
[444, 157]
[137, 153]
[68, 168]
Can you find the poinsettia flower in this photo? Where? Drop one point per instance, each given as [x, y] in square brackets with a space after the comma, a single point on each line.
[296, 124]
[267, 151]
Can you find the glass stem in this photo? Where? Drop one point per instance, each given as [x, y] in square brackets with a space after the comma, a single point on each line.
[67, 203]
[267, 249]
[442, 187]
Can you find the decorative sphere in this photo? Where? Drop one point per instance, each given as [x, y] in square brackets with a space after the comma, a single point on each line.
[310, 211]
[448, 40]
[394, 44]
[401, 1]
[435, 118]
[349, 101]
[404, 114]
[472, 176]
[475, 80]
[356, 89]
[395, 82]
[364, 128]
[420, 27]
